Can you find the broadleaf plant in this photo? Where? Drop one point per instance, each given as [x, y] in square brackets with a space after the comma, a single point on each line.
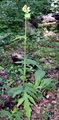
[28, 92]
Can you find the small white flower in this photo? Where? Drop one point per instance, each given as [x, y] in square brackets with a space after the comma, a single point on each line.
[26, 9]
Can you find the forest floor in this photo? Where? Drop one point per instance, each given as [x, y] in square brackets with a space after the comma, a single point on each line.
[48, 107]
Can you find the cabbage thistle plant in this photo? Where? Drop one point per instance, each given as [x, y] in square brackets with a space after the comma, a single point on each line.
[27, 92]
[26, 11]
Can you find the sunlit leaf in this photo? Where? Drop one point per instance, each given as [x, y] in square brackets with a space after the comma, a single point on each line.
[27, 107]
[31, 99]
[20, 101]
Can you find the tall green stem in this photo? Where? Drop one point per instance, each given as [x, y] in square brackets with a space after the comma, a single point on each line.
[25, 51]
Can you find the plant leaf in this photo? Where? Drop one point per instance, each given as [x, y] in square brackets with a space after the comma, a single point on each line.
[20, 101]
[27, 107]
[30, 89]
[39, 74]
[18, 116]
[33, 62]
[46, 84]
[15, 91]
[15, 109]
[5, 113]
[30, 61]
[31, 99]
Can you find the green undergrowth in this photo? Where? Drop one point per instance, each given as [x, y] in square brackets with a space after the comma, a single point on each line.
[18, 89]
[26, 81]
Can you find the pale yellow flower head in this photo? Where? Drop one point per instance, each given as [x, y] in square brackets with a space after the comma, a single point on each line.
[26, 9]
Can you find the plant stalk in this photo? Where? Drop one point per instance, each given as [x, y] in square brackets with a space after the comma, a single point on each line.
[25, 51]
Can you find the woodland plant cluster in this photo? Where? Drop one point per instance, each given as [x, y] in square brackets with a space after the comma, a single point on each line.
[27, 92]
[24, 82]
